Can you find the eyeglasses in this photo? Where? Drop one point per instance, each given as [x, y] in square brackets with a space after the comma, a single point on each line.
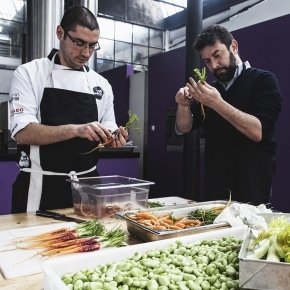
[82, 44]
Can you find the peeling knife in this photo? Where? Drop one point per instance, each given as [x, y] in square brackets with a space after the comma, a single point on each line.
[57, 216]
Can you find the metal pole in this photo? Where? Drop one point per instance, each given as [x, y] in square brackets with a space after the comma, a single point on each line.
[93, 6]
[191, 147]
[43, 17]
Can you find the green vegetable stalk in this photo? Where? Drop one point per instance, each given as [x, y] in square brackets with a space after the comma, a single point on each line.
[206, 216]
[152, 204]
[201, 76]
[90, 228]
[277, 237]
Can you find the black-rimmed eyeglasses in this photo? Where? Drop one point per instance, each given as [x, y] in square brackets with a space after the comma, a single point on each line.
[82, 44]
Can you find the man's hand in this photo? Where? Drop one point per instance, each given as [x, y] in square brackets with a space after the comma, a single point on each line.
[120, 138]
[93, 131]
[183, 97]
[183, 114]
[247, 124]
[203, 93]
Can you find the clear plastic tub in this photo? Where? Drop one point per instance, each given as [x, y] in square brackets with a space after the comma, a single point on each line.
[103, 196]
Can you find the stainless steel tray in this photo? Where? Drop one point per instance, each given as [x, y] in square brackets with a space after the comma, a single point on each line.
[171, 201]
[146, 234]
[261, 274]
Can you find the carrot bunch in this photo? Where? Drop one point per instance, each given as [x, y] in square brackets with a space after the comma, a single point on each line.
[163, 222]
[85, 237]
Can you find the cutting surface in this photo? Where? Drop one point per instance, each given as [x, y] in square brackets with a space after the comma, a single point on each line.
[15, 262]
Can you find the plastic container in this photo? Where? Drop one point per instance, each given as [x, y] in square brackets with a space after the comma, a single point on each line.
[103, 196]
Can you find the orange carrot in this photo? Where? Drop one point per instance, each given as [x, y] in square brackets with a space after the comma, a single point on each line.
[145, 215]
[65, 236]
[159, 228]
[174, 227]
[72, 249]
[180, 224]
[107, 143]
[45, 236]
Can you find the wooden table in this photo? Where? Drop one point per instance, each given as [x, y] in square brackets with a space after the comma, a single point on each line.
[14, 221]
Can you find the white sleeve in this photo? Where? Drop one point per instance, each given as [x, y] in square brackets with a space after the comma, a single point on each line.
[23, 105]
[106, 109]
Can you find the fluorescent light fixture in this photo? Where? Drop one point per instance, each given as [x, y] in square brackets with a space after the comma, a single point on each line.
[9, 9]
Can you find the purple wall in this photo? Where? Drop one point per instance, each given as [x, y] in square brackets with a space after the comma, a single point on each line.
[8, 173]
[166, 76]
[119, 166]
[265, 45]
[119, 80]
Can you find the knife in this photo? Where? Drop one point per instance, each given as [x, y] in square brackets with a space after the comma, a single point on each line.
[58, 216]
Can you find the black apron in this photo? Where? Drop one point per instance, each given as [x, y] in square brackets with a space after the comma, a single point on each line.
[59, 107]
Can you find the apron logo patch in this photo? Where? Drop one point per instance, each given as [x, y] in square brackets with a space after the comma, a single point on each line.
[98, 92]
[24, 160]
[16, 111]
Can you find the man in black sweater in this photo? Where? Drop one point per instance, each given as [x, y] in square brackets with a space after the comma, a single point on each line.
[238, 112]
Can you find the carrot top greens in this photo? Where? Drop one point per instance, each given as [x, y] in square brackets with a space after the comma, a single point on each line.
[90, 228]
[132, 122]
[200, 74]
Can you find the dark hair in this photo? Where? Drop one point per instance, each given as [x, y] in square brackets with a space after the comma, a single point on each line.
[78, 15]
[211, 35]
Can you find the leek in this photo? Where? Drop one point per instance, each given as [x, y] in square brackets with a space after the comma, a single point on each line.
[275, 240]
[272, 254]
[263, 249]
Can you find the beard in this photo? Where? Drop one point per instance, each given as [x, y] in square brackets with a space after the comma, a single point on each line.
[225, 74]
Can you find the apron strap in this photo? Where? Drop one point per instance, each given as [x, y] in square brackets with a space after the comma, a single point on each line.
[72, 174]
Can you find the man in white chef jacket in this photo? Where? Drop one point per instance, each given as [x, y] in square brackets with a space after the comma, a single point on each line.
[60, 109]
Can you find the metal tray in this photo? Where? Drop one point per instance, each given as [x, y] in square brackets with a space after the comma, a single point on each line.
[261, 274]
[171, 201]
[146, 234]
